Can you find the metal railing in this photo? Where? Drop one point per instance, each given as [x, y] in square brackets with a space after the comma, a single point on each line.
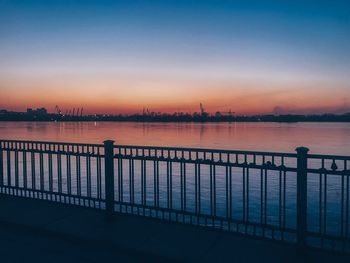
[60, 172]
[293, 197]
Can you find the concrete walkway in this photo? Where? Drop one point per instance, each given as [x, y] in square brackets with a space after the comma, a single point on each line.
[41, 231]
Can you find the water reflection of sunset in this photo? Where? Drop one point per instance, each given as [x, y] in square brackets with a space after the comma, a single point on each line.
[320, 138]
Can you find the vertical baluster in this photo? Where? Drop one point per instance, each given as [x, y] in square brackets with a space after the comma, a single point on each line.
[199, 188]
[227, 191]
[182, 181]
[69, 175]
[47, 179]
[78, 171]
[130, 179]
[196, 187]
[262, 196]
[54, 165]
[142, 181]
[91, 157]
[170, 180]
[211, 188]
[4, 167]
[50, 173]
[133, 181]
[98, 178]
[168, 184]
[280, 199]
[82, 177]
[247, 196]
[8, 159]
[94, 195]
[16, 169]
[24, 164]
[156, 186]
[41, 168]
[185, 196]
[44, 173]
[59, 174]
[244, 194]
[22, 148]
[32, 161]
[154, 183]
[273, 165]
[88, 175]
[181, 184]
[214, 188]
[230, 192]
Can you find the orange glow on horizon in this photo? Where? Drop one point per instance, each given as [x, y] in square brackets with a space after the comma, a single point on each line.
[130, 95]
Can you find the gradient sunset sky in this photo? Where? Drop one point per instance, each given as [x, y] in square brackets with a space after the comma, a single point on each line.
[121, 56]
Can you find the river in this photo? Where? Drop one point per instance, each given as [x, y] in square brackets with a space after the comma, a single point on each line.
[324, 138]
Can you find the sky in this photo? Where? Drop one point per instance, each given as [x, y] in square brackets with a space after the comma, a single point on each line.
[250, 57]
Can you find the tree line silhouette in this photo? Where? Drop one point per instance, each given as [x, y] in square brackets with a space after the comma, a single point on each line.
[174, 117]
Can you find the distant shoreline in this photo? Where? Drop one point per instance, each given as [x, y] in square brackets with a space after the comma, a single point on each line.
[185, 118]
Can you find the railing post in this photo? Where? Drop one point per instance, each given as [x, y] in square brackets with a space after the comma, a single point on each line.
[109, 177]
[301, 195]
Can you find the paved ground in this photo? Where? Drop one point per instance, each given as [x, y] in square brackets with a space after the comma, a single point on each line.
[40, 231]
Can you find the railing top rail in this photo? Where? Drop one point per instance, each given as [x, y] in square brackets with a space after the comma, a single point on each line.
[53, 143]
[194, 149]
[328, 156]
[206, 150]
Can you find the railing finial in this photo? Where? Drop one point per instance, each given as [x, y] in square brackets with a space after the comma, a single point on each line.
[302, 150]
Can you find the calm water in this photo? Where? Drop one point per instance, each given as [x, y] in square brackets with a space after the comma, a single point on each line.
[326, 138]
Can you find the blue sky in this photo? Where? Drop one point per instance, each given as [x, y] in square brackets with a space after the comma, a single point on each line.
[234, 48]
